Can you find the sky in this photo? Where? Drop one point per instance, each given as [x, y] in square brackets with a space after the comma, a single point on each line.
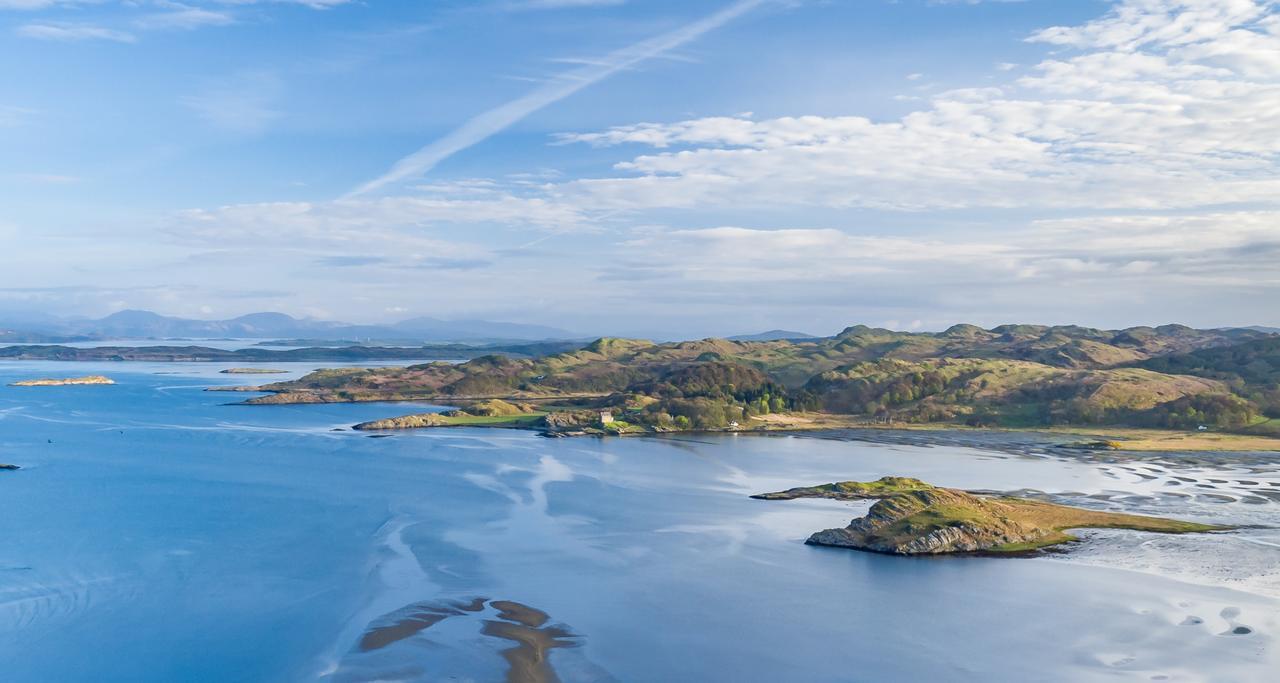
[663, 168]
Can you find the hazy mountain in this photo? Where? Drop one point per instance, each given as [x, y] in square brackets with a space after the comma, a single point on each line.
[268, 325]
[434, 328]
[772, 335]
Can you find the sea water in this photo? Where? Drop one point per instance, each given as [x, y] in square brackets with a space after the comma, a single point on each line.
[158, 533]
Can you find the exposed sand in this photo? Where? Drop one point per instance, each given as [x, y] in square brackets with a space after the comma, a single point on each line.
[1243, 563]
[414, 619]
[526, 626]
[521, 614]
[528, 659]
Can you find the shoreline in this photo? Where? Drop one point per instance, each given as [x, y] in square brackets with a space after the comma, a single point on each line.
[1080, 554]
[1119, 440]
[1088, 438]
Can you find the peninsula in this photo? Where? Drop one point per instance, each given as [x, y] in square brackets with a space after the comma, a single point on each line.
[253, 371]
[58, 382]
[1215, 389]
[912, 517]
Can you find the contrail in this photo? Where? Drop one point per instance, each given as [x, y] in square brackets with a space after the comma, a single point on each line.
[563, 85]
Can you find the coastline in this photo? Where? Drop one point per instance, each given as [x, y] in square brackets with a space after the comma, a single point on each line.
[1099, 440]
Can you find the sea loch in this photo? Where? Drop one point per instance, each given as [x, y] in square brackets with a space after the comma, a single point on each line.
[156, 534]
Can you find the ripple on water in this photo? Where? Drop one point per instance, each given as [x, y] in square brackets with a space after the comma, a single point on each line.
[29, 604]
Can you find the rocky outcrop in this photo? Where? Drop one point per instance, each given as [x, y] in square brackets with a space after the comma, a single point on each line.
[934, 521]
[50, 382]
[417, 421]
[915, 518]
[286, 398]
[564, 421]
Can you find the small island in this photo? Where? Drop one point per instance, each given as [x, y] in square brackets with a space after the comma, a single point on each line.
[912, 517]
[253, 371]
[65, 381]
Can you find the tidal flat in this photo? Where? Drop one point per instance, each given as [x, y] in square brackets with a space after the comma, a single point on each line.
[159, 535]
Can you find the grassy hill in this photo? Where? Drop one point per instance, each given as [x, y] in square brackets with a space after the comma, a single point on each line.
[1014, 375]
[1011, 393]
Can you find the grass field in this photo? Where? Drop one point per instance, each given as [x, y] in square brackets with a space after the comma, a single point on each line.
[1169, 440]
[521, 420]
[1127, 438]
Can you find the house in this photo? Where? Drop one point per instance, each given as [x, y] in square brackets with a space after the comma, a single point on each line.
[606, 417]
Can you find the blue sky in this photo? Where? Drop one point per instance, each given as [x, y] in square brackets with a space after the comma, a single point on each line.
[644, 167]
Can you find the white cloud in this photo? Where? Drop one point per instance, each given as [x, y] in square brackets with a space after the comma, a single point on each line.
[392, 222]
[1172, 103]
[1212, 252]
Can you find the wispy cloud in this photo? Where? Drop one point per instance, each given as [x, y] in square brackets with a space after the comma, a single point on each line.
[184, 18]
[73, 32]
[499, 118]
[51, 178]
[141, 16]
[313, 4]
[13, 116]
[243, 104]
[26, 4]
[560, 4]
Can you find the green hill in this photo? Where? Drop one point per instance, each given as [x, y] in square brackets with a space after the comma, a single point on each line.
[1014, 375]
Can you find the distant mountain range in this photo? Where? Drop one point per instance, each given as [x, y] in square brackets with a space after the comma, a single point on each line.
[133, 324]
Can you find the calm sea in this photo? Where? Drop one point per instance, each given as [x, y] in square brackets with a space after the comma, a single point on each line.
[157, 534]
